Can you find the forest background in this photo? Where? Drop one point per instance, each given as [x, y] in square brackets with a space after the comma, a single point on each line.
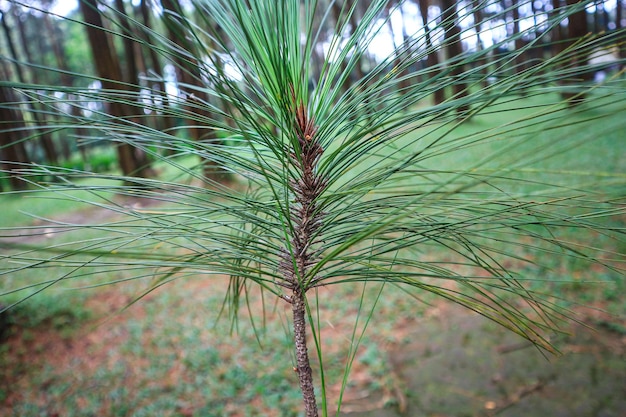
[121, 137]
[33, 33]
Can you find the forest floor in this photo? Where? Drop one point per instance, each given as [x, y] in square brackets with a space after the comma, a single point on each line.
[457, 364]
[446, 362]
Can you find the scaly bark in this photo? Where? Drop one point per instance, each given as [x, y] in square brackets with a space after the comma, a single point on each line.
[306, 218]
[305, 373]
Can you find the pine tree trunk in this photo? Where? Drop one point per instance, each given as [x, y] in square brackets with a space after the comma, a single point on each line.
[304, 370]
[164, 122]
[300, 256]
[477, 13]
[432, 59]
[14, 155]
[67, 80]
[577, 28]
[619, 16]
[43, 135]
[454, 50]
[132, 161]
[188, 73]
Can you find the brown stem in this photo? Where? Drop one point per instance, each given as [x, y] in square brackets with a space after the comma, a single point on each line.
[305, 373]
[298, 256]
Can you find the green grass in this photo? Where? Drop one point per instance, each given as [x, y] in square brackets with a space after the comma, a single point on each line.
[21, 208]
[532, 143]
[24, 208]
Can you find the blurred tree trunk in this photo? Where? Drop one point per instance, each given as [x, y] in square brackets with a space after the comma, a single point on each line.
[45, 140]
[186, 66]
[339, 11]
[454, 50]
[577, 28]
[601, 18]
[219, 64]
[12, 149]
[404, 50]
[557, 34]
[354, 23]
[619, 20]
[536, 53]
[131, 75]
[397, 48]
[132, 161]
[188, 73]
[432, 59]
[131, 54]
[326, 29]
[477, 12]
[67, 80]
[11, 45]
[520, 57]
[158, 91]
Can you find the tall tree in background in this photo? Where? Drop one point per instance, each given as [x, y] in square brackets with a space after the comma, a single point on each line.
[520, 57]
[577, 28]
[403, 49]
[432, 60]
[13, 152]
[131, 73]
[158, 93]
[66, 80]
[44, 136]
[454, 50]
[186, 56]
[344, 14]
[536, 53]
[478, 15]
[557, 33]
[132, 161]
[620, 18]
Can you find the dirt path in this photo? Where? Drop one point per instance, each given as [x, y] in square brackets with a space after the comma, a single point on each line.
[41, 230]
